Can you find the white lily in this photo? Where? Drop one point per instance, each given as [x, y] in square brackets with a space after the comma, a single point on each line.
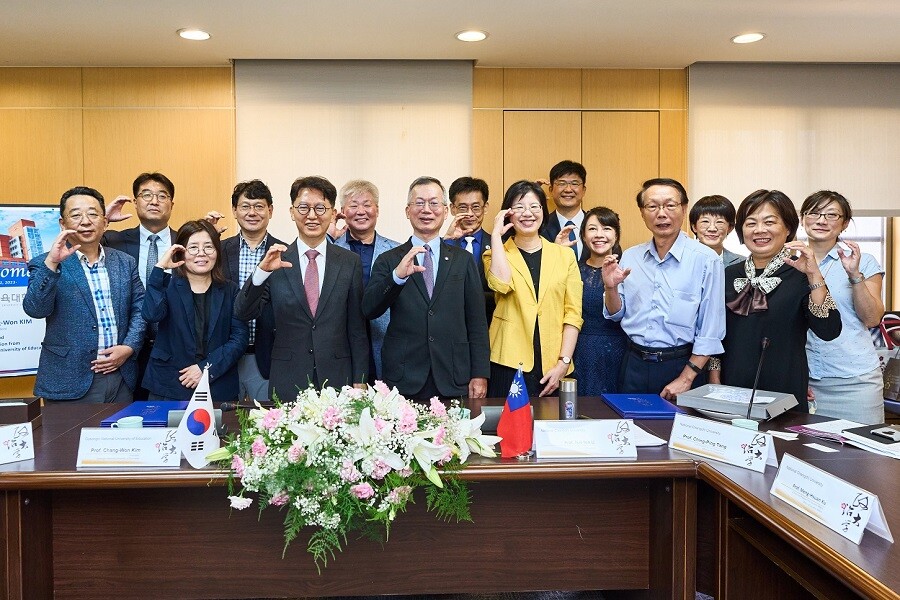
[365, 434]
[468, 438]
[426, 454]
[310, 436]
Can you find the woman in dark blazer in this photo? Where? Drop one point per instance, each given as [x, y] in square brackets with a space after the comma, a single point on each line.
[194, 307]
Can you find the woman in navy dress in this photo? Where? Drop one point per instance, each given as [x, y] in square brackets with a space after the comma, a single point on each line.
[601, 344]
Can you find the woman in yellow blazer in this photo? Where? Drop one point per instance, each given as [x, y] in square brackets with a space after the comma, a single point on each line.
[538, 290]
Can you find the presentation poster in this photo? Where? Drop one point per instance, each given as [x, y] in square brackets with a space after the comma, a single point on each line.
[26, 231]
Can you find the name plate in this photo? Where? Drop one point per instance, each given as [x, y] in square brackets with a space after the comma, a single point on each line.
[830, 500]
[16, 443]
[600, 438]
[723, 442]
[104, 447]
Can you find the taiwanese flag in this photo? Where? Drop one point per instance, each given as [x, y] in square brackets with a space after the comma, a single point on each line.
[515, 426]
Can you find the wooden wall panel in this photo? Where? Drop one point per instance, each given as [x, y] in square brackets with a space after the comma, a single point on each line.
[621, 151]
[542, 88]
[22, 87]
[673, 145]
[673, 89]
[620, 88]
[487, 155]
[159, 87]
[42, 154]
[194, 148]
[533, 141]
[487, 88]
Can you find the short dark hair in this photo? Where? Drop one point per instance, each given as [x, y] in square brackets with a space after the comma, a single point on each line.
[515, 192]
[565, 167]
[202, 225]
[252, 190]
[314, 182]
[80, 191]
[608, 218]
[158, 178]
[661, 181]
[779, 201]
[424, 180]
[716, 205]
[464, 185]
[823, 198]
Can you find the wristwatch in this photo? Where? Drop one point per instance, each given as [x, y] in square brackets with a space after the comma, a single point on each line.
[566, 359]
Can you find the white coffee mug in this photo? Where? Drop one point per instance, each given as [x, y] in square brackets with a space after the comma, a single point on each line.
[130, 422]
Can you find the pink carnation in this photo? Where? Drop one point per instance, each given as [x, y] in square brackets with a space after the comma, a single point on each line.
[295, 452]
[437, 408]
[331, 418]
[259, 447]
[239, 502]
[407, 419]
[399, 494]
[379, 424]
[237, 465]
[279, 499]
[405, 472]
[349, 472]
[440, 435]
[270, 420]
[362, 491]
[380, 469]
[447, 456]
[382, 388]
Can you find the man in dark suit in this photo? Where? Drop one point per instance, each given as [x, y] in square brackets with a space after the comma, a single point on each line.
[468, 202]
[91, 298]
[568, 182]
[437, 341]
[251, 203]
[153, 197]
[315, 291]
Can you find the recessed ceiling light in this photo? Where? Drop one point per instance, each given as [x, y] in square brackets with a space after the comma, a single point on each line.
[472, 35]
[748, 38]
[197, 35]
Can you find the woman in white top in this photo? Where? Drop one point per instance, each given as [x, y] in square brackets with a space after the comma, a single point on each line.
[844, 375]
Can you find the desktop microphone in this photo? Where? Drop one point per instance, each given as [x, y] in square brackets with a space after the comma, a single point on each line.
[762, 356]
[229, 406]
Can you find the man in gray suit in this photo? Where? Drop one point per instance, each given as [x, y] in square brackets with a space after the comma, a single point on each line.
[437, 341]
[91, 297]
[712, 219]
[359, 209]
[315, 290]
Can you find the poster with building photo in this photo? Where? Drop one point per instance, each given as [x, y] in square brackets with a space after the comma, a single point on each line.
[26, 231]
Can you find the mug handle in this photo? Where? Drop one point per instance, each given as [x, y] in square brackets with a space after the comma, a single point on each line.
[114, 424]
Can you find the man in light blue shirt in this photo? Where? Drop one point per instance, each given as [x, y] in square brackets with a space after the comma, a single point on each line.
[669, 296]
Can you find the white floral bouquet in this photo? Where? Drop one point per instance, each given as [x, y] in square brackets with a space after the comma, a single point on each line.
[350, 459]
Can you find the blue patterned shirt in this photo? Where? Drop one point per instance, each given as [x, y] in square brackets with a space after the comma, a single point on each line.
[98, 280]
[248, 258]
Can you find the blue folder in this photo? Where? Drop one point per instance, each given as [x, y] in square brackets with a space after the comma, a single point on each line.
[642, 406]
[156, 414]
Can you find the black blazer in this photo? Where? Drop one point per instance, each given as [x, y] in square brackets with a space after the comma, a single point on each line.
[332, 347]
[265, 324]
[128, 241]
[551, 229]
[489, 302]
[446, 334]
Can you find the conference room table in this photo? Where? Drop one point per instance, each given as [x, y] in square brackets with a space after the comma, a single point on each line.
[659, 526]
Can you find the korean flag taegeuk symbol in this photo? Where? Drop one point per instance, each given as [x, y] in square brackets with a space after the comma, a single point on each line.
[197, 435]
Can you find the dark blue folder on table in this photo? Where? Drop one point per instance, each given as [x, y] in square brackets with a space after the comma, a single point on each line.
[642, 406]
[156, 414]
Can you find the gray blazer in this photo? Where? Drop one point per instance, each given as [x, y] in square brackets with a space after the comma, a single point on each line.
[63, 297]
[331, 347]
[377, 327]
[730, 258]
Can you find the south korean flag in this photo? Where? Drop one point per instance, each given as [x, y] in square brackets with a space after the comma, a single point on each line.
[197, 435]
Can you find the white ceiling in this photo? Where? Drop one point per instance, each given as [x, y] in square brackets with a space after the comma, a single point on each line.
[534, 33]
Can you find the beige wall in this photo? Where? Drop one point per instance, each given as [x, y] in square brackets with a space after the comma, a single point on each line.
[100, 127]
[625, 126]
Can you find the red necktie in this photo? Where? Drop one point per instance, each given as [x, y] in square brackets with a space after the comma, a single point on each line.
[311, 281]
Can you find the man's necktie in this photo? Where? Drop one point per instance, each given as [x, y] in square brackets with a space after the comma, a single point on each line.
[470, 246]
[152, 255]
[572, 238]
[311, 281]
[429, 271]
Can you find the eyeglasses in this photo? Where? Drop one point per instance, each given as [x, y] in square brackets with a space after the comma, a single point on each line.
[355, 206]
[303, 209]
[521, 209]
[195, 250]
[475, 209]
[668, 207]
[257, 208]
[434, 205]
[562, 183]
[77, 217]
[814, 216]
[148, 196]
